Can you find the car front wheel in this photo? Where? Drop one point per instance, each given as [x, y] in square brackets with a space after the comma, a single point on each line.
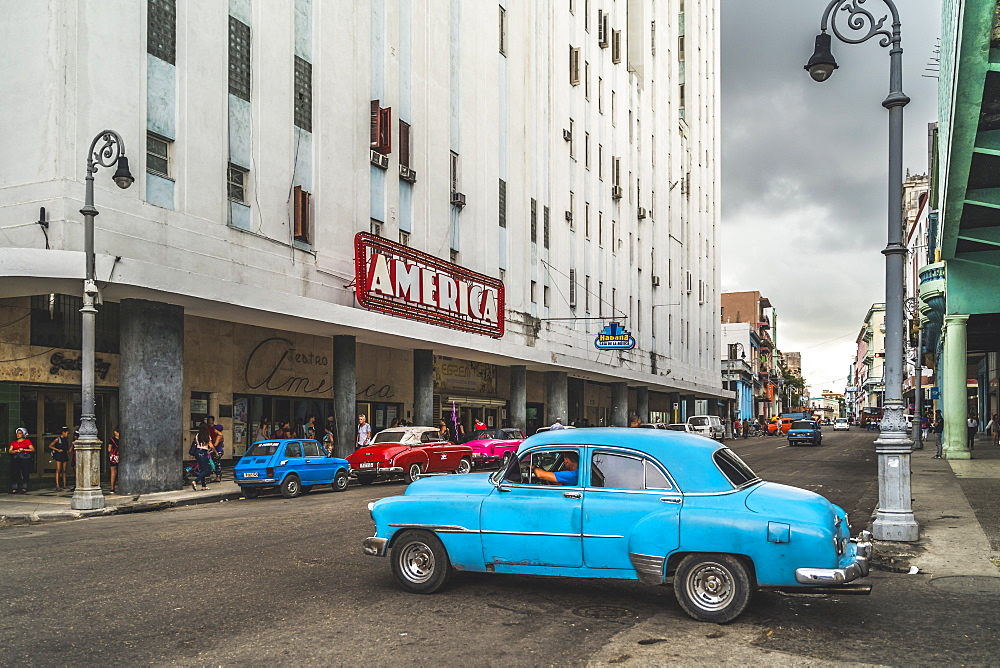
[340, 481]
[464, 466]
[420, 562]
[291, 487]
[712, 587]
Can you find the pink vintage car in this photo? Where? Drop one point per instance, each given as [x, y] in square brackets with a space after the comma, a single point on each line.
[494, 445]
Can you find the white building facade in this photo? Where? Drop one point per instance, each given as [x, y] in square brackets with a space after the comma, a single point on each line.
[567, 151]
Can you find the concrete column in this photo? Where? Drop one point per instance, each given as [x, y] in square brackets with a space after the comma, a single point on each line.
[345, 390]
[423, 387]
[619, 404]
[151, 397]
[689, 408]
[557, 396]
[956, 408]
[642, 402]
[518, 417]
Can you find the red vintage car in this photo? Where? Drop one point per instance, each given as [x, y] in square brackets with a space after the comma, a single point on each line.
[408, 452]
[494, 445]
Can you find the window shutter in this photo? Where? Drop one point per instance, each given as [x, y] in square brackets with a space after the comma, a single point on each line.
[534, 221]
[404, 144]
[301, 199]
[385, 130]
[375, 118]
[572, 288]
[616, 47]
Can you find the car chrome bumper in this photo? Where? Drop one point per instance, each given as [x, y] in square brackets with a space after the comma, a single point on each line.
[354, 473]
[375, 546]
[833, 576]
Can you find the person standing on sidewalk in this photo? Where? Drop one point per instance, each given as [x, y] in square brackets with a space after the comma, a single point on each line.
[113, 457]
[973, 426]
[937, 426]
[994, 429]
[364, 432]
[59, 447]
[218, 445]
[21, 454]
[203, 454]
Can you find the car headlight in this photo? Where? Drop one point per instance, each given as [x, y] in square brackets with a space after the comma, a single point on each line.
[371, 506]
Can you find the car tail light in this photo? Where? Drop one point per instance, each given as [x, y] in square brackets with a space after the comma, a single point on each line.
[269, 472]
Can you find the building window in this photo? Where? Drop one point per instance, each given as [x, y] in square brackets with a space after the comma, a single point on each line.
[572, 139]
[574, 66]
[571, 210]
[404, 144]
[600, 161]
[586, 219]
[454, 172]
[303, 94]
[616, 46]
[502, 213]
[586, 294]
[600, 299]
[56, 322]
[545, 296]
[503, 31]
[404, 238]
[586, 79]
[236, 178]
[380, 128]
[375, 227]
[533, 287]
[301, 215]
[652, 38]
[157, 155]
[586, 15]
[600, 228]
[545, 227]
[534, 221]
[572, 288]
[161, 29]
[586, 150]
[600, 94]
[239, 59]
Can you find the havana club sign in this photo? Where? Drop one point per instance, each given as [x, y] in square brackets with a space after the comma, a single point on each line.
[395, 279]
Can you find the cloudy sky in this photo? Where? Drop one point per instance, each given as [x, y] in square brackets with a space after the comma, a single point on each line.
[804, 169]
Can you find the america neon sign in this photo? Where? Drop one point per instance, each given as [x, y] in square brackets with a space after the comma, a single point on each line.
[395, 279]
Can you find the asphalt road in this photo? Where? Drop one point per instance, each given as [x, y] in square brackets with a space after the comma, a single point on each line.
[284, 582]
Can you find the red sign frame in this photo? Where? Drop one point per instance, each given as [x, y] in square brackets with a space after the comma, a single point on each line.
[464, 301]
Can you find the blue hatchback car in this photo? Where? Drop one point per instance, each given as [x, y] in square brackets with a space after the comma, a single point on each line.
[293, 465]
[633, 504]
[805, 431]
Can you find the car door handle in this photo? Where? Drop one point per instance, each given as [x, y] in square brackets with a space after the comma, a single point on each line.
[308, 460]
[572, 495]
[670, 499]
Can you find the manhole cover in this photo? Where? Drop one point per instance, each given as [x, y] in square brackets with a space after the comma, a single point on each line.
[980, 585]
[601, 612]
[10, 534]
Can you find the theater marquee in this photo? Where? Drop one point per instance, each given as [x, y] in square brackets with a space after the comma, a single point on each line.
[395, 279]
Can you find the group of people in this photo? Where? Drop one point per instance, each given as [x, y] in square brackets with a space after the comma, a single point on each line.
[22, 459]
[207, 448]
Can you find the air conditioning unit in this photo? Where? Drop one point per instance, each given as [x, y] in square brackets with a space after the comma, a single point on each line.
[458, 199]
[656, 281]
[616, 192]
[379, 160]
[641, 213]
[407, 174]
[569, 216]
[376, 228]
[567, 135]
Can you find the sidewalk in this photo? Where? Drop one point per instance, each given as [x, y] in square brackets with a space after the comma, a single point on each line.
[48, 505]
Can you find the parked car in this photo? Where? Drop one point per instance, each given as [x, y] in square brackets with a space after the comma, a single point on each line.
[494, 445]
[544, 429]
[682, 426]
[841, 424]
[649, 505]
[782, 424]
[653, 425]
[407, 453]
[805, 431]
[708, 425]
[292, 465]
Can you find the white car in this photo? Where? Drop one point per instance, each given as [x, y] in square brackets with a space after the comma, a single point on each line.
[682, 426]
[841, 424]
[708, 425]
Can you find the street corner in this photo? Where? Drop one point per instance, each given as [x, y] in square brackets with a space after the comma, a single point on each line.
[895, 557]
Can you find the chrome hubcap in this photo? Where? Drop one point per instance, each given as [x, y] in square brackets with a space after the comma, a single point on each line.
[417, 561]
[710, 586]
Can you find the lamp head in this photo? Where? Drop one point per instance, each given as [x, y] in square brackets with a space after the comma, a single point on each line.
[822, 63]
[123, 177]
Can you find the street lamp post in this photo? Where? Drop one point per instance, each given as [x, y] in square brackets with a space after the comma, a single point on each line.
[894, 519]
[106, 150]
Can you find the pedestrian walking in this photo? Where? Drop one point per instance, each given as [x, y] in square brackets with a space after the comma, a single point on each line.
[364, 432]
[328, 439]
[972, 424]
[263, 430]
[937, 426]
[21, 455]
[113, 458]
[310, 427]
[218, 447]
[993, 428]
[202, 450]
[925, 426]
[60, 447]
[737, 427]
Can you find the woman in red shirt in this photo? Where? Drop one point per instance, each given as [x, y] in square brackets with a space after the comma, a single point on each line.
[21, 455]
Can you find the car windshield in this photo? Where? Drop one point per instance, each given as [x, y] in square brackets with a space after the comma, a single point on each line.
[698, 422]
[803, 424]
[733, 467]
[841, 420]
[262, 449]
[677, 427]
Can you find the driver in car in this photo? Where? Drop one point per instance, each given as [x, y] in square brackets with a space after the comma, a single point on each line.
[568, 476]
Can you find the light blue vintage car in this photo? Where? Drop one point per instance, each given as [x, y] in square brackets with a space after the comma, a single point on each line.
[633, 504]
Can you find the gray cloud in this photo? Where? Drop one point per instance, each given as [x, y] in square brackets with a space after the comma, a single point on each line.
[804, 168]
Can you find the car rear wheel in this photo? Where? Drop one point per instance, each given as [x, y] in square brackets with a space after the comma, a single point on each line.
[413, 472]
[464, 466]
[712, 587]
[250, 492]
[420, 562]
[366, 479]
[291, 487]
[340, 481]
